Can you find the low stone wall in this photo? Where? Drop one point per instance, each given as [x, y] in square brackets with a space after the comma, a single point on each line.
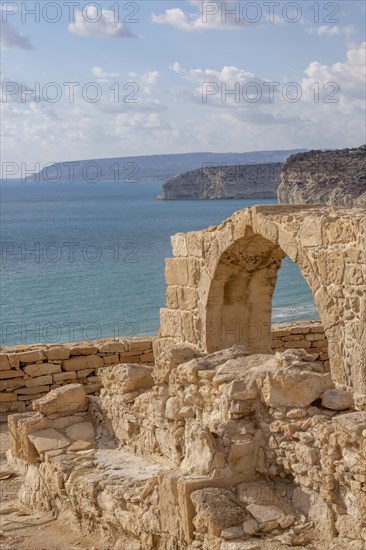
[308, 335]
[29, 372]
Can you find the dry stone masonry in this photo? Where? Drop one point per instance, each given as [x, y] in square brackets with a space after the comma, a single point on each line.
[221, 445]
[29, 372]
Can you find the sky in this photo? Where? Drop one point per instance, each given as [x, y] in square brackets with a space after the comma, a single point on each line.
[84, 80]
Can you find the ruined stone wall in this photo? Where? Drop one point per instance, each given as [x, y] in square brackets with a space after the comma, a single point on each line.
[232, 446]
[28, 372]
[308, 335]
[224, 277]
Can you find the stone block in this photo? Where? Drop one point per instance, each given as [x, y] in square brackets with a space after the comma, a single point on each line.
[68, 399]
[13, 360]
[83, 350]
[82, 431]
[64, 376]
[111, 359]
[47, 440]
[7, 374]
[57, 353]
[31, 356]
[127, 378]
[176, 272]
[294, 388]
[4, 362]
[112, 347]
[75, 363]
[39, 381]
[32, 391]
[7, 397]
[139, 345]
[39, 369]
[337, 400]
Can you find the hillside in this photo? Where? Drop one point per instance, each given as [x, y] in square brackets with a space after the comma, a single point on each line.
[333, 178]
[148, 168]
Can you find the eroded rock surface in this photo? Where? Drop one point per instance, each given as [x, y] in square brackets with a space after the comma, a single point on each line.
[245, 181]
[333, 178]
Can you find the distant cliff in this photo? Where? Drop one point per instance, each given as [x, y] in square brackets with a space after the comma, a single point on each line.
[246, 181]
[333, 178]
[148, 168]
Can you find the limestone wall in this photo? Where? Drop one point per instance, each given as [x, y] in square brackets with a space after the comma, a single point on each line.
[224, 277]
[308, 335]
[29, 372]
[232, 446]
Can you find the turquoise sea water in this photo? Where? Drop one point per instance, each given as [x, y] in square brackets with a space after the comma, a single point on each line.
[86, 261]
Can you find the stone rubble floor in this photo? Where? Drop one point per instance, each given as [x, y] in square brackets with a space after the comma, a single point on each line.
[22, 529]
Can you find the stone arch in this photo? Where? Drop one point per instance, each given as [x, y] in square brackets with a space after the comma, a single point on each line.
[239, 302]
[226, 275]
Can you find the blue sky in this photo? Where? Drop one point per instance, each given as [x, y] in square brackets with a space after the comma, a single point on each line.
[163, 71]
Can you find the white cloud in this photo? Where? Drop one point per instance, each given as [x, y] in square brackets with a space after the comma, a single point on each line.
[328, 30]
[12, 39]
[209, 15]
[150, 81]
[217, 88]
[143, 105]
[335, 89]
[335, 30]
[349, 76]
[102, 75]
[140, 121]
[100, 23]
[134, 93]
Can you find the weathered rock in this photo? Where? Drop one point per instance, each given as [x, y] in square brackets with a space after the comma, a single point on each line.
[218, 508]
[337, 400]
[171, 358]
[202, 455]
[31, 356]
[294, 388]
[112, 347]
[81, 446]
[128, 377]
[57, 353]
[47, 440]
[4, 362]
[83, 431]
[75, 363]
[65, 400]
[264, 514]
[225, 182]
[232, 533]
[42, 369]
[250, 526]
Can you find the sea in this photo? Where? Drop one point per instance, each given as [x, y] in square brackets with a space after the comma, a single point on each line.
[83, 261]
